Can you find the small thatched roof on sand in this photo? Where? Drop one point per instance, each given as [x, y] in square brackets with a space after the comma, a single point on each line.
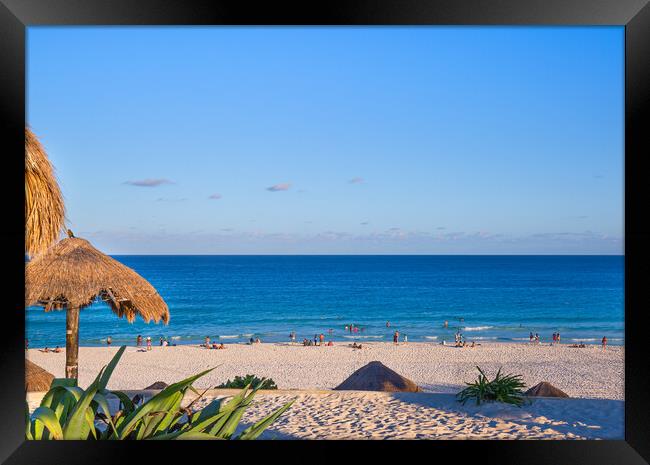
[375, 376]
[72, 273]
[44, 208]
[157, 385]
[545, 389]
[36, 378]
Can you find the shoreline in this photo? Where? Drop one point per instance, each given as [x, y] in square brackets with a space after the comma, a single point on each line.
[586, 372]
[588, 342]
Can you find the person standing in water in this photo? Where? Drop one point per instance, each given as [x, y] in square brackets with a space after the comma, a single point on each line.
[604, 342]
[388, 324]
[108, 341]
[148, 342]
[395, 337]
[445, 324]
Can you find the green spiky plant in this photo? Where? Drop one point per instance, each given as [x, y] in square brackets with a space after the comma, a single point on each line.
[69, 412]
[249, 380]
[508, 389]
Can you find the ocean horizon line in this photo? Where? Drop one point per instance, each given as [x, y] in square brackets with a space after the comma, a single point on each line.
[362, 255]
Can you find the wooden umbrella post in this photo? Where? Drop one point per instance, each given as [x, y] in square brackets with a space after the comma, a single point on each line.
[71, 342]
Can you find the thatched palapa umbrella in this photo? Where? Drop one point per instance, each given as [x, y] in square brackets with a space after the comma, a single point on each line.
[375, 376]
[44, 208]
[37, 378]
[72, 274]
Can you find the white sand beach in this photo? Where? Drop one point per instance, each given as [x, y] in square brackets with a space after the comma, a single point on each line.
[592, 377]
[588, 372]
[383, 415]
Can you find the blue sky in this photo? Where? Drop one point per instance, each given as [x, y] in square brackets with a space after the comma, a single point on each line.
[417, 140]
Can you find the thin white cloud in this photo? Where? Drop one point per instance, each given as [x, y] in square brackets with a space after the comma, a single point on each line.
[215, 196]
[356, 180]
[279, 187]
[149, 182]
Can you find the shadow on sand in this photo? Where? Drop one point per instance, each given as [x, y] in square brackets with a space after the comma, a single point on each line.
[589, 418]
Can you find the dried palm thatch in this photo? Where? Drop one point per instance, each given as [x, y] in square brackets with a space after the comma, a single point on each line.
[545, 389]
[73, 274]
[44, 208]
[36, 378]
[375, 376]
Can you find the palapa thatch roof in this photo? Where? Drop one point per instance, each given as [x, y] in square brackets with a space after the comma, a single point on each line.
[36, 378]
[72, 273]
[157, 385]
[44, 208]
[545, 389]
[375, 376]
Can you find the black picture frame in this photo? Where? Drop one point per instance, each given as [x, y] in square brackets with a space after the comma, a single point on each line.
[634, 15]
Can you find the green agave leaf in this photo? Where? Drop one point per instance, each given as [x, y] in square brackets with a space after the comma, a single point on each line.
[28, 424]
[103, 405]
[206, 417]
[254, 431]
[127, 404]
[195, 435]
[108, 371]
[154, 403]
[64, 382]
[167, 407]
[165, 436]
[208, 411]
[187, 435]
[77, 426]
[90, 422]
[48, 419]
[173, 415]
[230, 408]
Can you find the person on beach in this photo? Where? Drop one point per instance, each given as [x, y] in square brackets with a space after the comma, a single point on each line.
[45, 350]
[531, 337]
[161, 341]
[554, 338]
[330, 343]
[258, 341]
[604, 342]
[396, 337]
[165, 343]
[305, 342]
[148, 343]
[57, 349]
[557, 337]
[207, 342]
[405, 339]
[315, 339]
[322, 338]
[251, 341]
[108, 341]
[536, 338]
[138, 341]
